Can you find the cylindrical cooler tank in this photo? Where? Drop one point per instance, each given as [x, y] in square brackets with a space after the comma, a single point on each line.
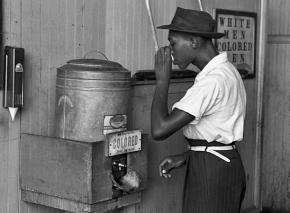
[91, 99]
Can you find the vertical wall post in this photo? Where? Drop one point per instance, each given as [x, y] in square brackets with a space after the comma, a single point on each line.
[259, 119]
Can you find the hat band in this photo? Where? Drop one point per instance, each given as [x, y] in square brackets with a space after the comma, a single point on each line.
[189, 29]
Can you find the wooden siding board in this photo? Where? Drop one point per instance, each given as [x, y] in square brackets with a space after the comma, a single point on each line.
[94, 34]
[7, 34]
[286, 149]
[78, 36]
[129, 37]
[13, 176]
[247, 146]
[284, 164]
[46, 32]
[265, 150]
[3, 174]
[31, 22]
[278, 23]
[276, 128]
[70, 29]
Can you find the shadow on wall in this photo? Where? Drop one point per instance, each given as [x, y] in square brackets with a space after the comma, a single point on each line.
[266, 210]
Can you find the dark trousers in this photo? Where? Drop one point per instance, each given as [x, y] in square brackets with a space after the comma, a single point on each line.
[213, 185]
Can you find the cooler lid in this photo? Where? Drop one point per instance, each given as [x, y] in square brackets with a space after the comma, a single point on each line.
[93, 69]
[95, 63]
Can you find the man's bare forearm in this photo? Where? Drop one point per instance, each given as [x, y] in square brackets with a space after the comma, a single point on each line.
[180, 159]
[159, 109]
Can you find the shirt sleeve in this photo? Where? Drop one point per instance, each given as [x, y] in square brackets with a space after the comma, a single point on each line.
[200, 98]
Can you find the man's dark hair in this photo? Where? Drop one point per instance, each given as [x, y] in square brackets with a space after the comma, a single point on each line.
[187, 35]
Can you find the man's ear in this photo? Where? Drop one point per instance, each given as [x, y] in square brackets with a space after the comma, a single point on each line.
[195, 42]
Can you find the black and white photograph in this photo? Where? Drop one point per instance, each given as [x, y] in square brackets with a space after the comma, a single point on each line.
[144, 106]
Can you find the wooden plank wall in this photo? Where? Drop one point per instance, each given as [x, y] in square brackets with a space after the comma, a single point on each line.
[54, 31]
[128, 34]
[276, 143]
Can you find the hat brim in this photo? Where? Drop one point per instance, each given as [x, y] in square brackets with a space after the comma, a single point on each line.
[202, 34]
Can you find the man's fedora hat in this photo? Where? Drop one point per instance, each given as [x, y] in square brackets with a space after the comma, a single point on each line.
[192, 21]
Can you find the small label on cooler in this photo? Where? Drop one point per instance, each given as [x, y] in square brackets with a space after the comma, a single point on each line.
[115, 123]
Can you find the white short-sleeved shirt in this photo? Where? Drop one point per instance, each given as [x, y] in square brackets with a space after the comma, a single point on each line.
[217, 99]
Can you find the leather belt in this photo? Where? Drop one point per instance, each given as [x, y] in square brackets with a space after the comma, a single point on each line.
[213, 150]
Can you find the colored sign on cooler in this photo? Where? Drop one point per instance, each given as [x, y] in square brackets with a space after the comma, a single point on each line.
[123, 142]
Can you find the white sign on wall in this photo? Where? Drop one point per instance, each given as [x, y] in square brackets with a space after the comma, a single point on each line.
[239, 40]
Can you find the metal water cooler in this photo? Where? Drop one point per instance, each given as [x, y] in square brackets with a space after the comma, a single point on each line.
[94, 163]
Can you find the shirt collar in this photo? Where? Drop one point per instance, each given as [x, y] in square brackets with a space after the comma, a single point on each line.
[214, 62]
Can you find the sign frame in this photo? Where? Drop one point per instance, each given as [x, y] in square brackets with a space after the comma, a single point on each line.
[246, 70]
